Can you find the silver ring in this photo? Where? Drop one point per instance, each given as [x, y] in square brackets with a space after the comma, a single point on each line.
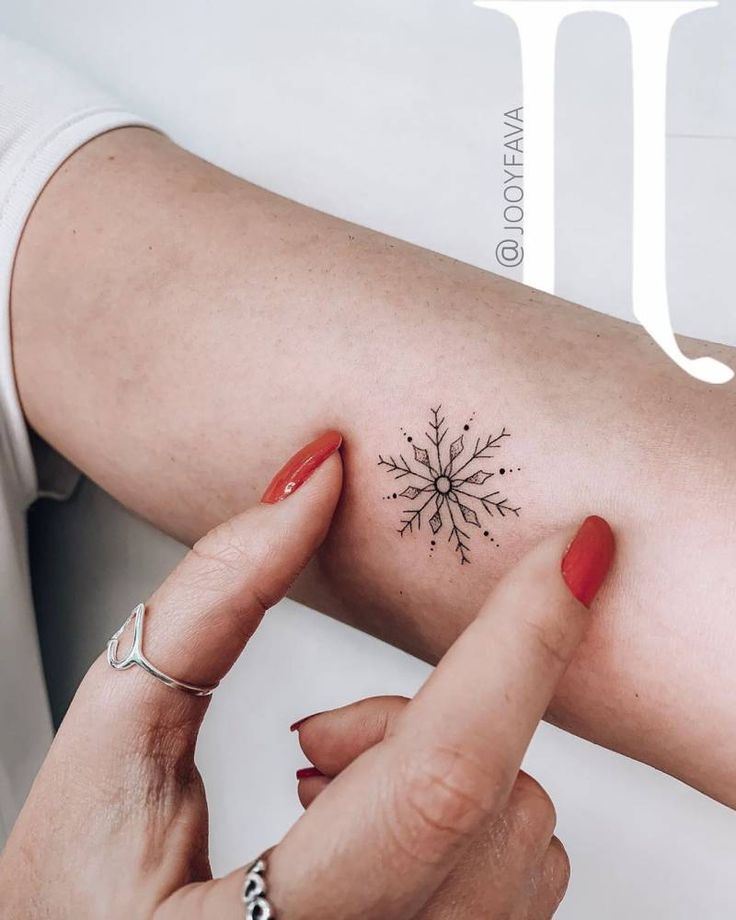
[136, 656]
[256, 903]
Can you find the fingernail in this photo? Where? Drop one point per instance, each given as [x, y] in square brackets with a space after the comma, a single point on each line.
[295, 726]
[299, 468]
[308, 773]
[588, 559]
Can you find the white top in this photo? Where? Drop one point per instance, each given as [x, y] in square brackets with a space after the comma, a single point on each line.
[46, 113]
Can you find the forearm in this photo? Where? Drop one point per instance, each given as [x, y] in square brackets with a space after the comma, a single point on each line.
[179, 332]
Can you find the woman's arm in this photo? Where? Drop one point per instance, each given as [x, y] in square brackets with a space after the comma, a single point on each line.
[178, 331]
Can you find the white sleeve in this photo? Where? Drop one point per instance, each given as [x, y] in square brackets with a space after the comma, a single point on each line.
[46, 112]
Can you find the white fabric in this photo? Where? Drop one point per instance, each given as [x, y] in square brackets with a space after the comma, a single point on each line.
[46, 113]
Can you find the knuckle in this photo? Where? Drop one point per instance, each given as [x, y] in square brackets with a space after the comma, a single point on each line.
[223, 547]
[158, 760]
[548, 884]
[226, 552]
[534, 808]
[369, 721]
[383, 715]
[338, 736]
[557, 868]
[440, 801]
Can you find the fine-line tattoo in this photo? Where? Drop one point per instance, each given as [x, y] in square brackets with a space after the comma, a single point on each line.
[444, 482]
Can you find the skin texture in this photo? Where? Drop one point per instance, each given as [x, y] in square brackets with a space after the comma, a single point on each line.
[177, 332]
[427, 818]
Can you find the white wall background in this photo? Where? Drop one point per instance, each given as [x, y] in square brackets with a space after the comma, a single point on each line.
[389, 113]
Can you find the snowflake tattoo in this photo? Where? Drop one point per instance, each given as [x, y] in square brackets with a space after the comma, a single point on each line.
[447, 485]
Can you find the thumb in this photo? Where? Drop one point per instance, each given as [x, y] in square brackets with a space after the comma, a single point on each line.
[391, 826]
[200, 619]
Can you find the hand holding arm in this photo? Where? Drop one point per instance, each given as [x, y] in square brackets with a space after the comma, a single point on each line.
[116, 823]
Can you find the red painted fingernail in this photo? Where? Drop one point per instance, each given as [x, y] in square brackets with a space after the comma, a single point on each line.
[295, 726]
[308, 773]
[299, 468]
[588, 559]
